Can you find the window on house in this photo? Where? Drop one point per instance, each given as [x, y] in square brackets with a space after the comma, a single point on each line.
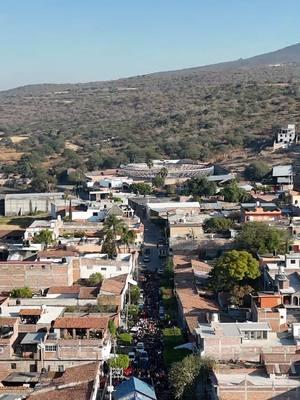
[51, 347]
[265, 335]
[95, 214]
[293, 261]
[13, 366]
[259, 335]
[103, 268]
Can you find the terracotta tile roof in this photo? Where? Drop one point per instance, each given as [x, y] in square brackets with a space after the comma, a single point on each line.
[79, 373]
[80, 391]
[200, 266]
[64, 289]
[114, 285]
[30, 311]
[191, 300]
[88, 292]
[85, 322]
[7, 321]
[195, 307]
[59, 253]
[75, 383]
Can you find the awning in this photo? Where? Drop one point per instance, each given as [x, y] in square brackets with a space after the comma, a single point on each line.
[188, 346]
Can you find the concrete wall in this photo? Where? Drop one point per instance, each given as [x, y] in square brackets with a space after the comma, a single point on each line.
[28, 203]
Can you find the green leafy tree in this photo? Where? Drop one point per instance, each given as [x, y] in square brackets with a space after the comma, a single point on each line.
[200, 187]
[233, 193]
[120, 361]
[141, 188]
[256, 171]
[217, 224]
[109, 245]
[158, 181]
[112, 328]
[238, 294]
[184, 375]
[45, 236]
[133, 311]
[42, 182]
[232, 268]
[125, 338]
[24, 293]
[134, 294]
[95, 279]
[258, 237]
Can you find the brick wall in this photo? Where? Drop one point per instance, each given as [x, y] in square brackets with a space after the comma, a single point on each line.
[36, 275]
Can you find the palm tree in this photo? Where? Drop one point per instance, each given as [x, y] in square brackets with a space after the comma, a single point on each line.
[163, 172]
[128, 237]
[149, 163]
[114, 224]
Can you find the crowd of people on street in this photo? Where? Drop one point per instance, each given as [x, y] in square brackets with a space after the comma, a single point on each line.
[149, 333]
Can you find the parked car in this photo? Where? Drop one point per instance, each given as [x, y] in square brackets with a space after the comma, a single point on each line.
[134, 329]
[140, 346]
[143, 356]
[128, 371]
[161, 313]
[131, 356]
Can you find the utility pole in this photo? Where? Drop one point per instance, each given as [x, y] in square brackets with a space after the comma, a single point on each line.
[127, 306]
[110, 388]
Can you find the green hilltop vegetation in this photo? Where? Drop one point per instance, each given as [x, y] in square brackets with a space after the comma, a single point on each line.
[199, 113]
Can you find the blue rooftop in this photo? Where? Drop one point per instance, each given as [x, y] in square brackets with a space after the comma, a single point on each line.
[134, 389]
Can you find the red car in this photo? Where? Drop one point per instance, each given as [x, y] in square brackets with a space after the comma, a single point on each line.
[128, 371]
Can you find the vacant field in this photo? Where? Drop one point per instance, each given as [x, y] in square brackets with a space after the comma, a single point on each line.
[18, 139]
[9, 155]
[19, 223]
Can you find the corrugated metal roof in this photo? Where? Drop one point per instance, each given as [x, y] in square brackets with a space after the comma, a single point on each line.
[134, 388]
[33, 338]
[282, 170]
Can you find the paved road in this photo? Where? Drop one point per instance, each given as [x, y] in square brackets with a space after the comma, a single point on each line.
[152, 235]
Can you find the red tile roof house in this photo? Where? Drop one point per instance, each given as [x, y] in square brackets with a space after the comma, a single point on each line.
[260, 212]
[113, 291]
[79, 382]
[193, 307]
[77, 339]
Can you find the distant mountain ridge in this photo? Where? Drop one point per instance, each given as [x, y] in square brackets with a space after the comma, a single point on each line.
[286, 55]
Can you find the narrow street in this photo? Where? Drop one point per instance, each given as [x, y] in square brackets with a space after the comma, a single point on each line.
[150, 325]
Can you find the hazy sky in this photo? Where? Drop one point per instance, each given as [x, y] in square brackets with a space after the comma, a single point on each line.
[88, 40]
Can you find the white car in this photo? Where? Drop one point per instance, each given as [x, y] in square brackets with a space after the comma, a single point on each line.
[134, 329]
[131, 356]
